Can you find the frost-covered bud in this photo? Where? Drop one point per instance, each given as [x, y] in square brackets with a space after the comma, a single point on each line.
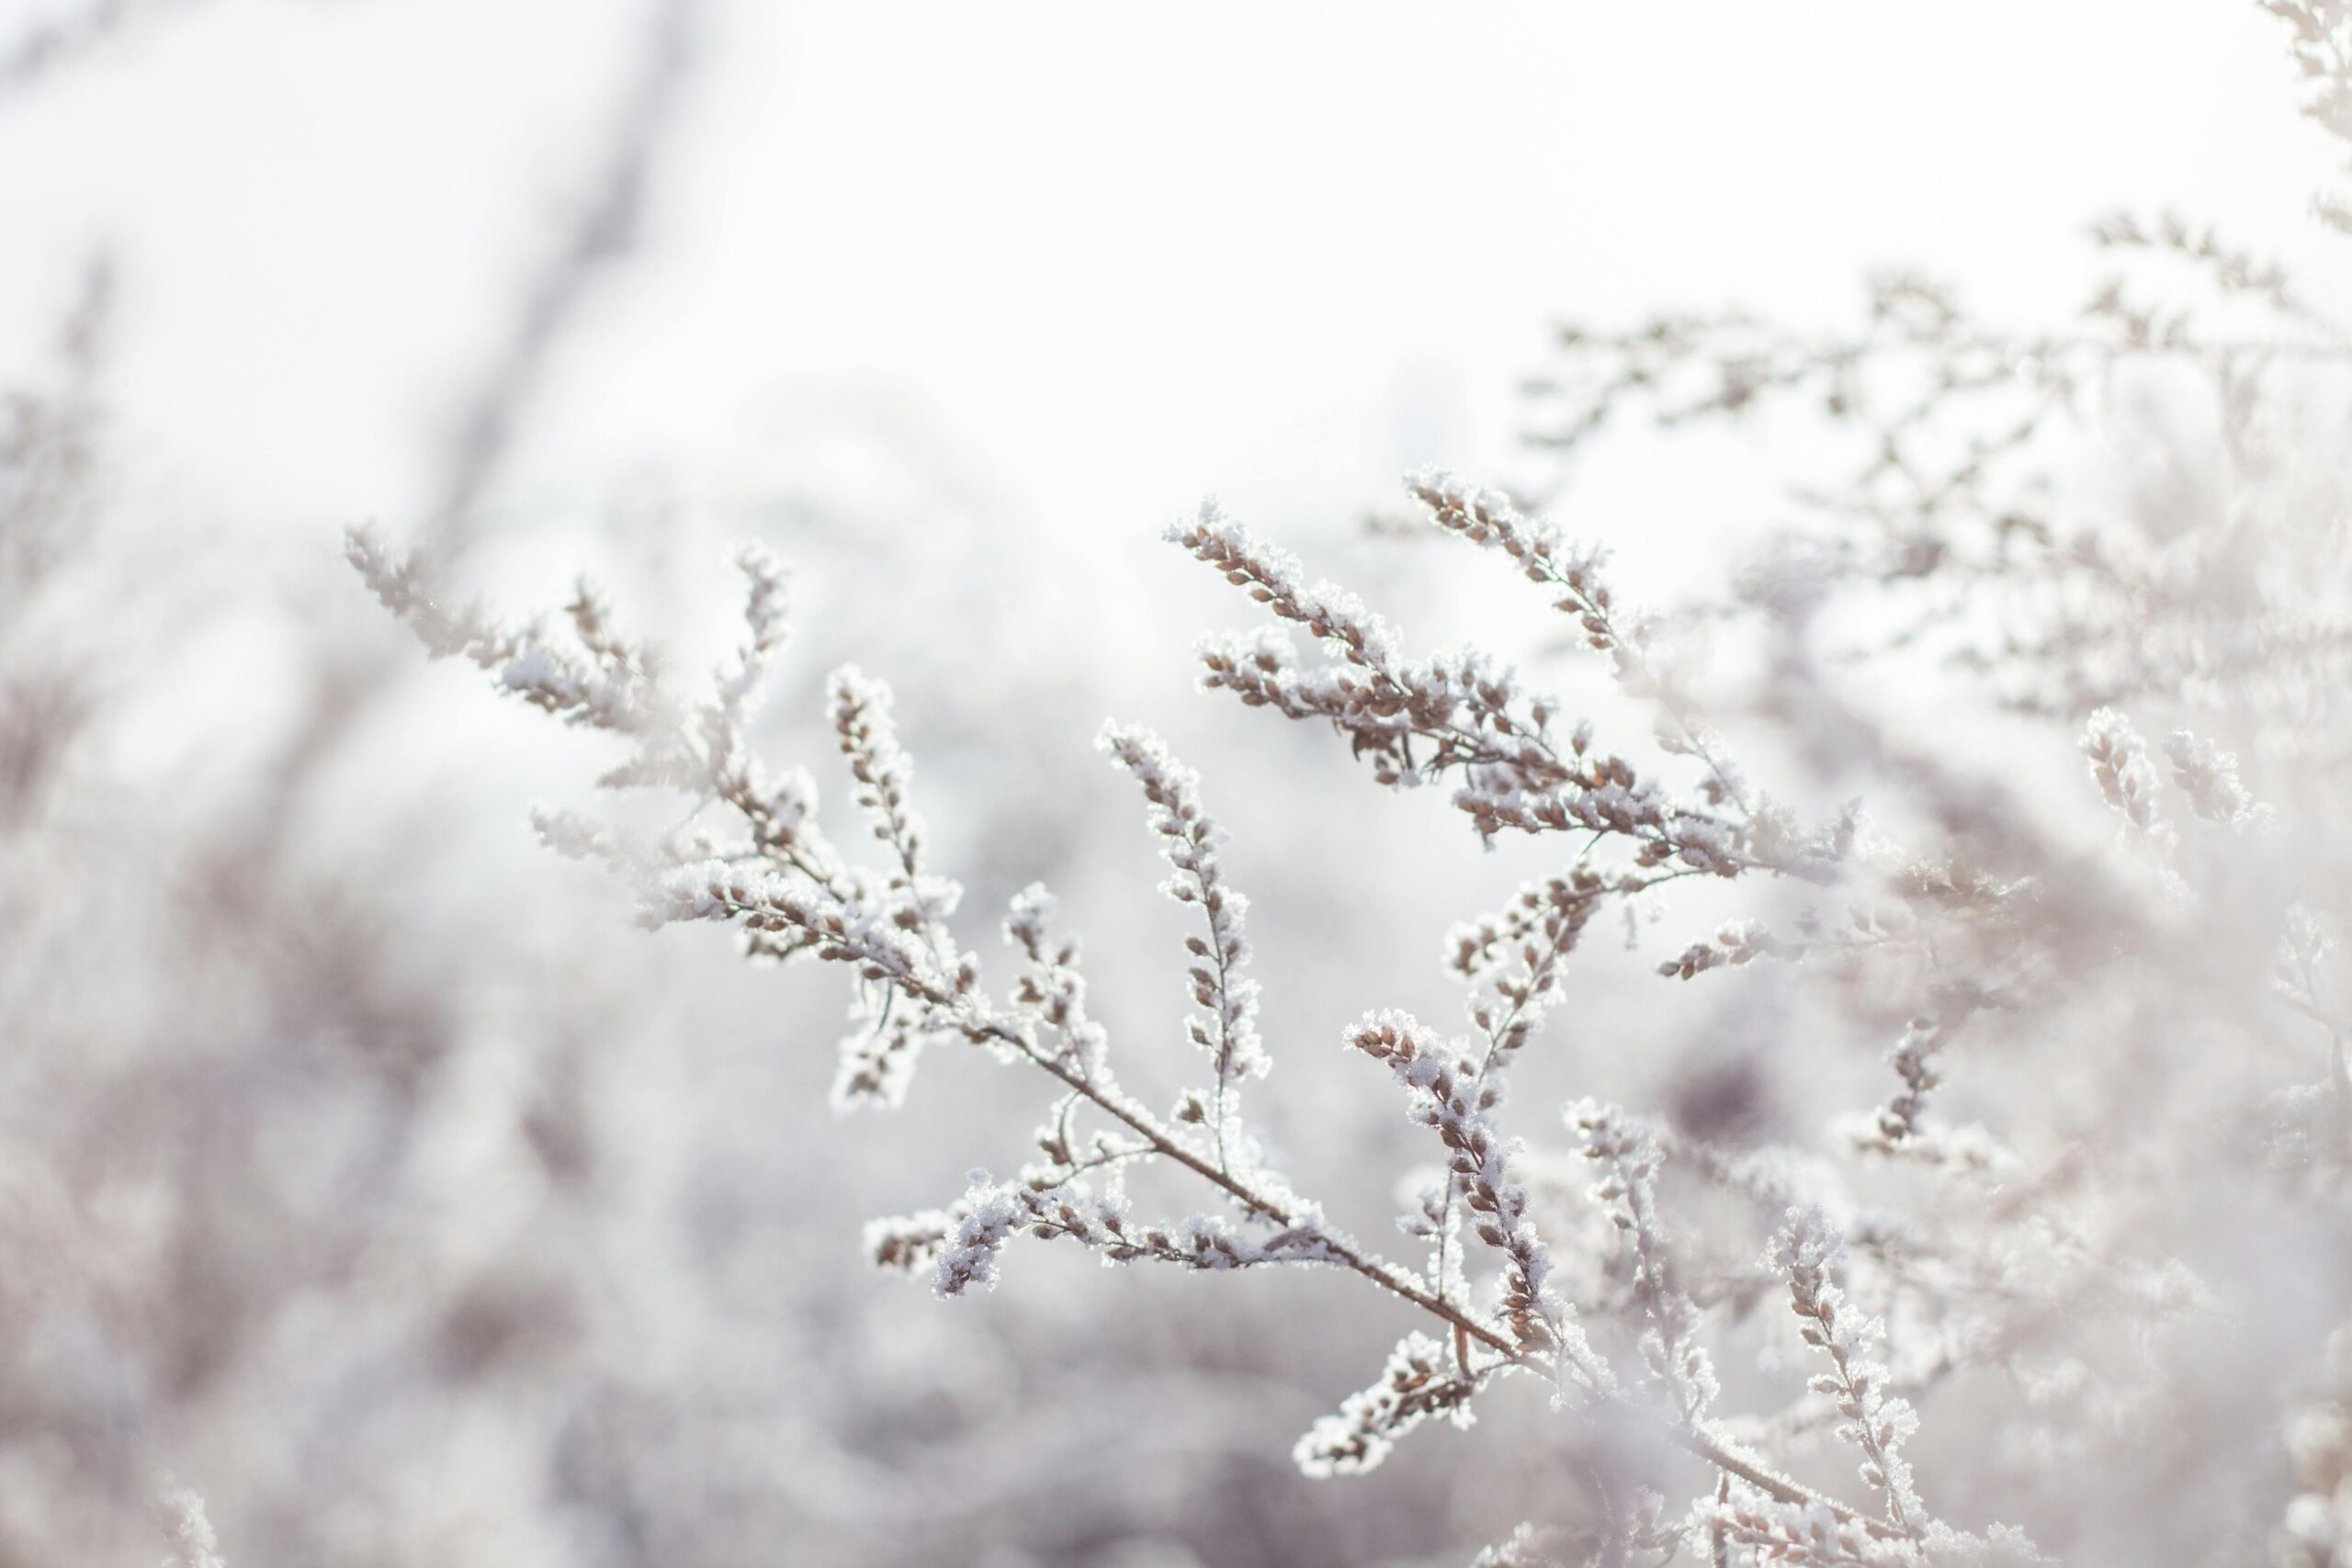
[2209, 776]
[1419, 1382]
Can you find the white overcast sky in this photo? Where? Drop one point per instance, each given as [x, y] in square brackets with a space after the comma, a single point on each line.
[1107, 257]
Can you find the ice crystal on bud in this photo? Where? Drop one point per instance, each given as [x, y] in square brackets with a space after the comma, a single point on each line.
[966, 1254]
[1273, 578]
[766, 619]
[869, 739]
[2209, 776]
[1419, 1381]
[194, 1542]
[2127, 780]
[1226, 1026]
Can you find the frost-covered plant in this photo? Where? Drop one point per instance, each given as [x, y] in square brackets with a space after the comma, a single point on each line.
[792, 893]
[2113, 1057]
[194, 1544]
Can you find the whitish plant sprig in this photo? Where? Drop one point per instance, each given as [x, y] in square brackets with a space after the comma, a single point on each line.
[2209, 776]
[1467, 716]
[878, 1058]
[1422, 1380]
[1901, 1127]
[791, 894]
[1518, 782]
[2127, 779]
[1773, 1531]
[1450, 1095]
[1876, 1421]
[1630, 1157]
[1735, 942]
[1052, 985]
[1513, 963]
[1952, 503]
[1226, 1026]
[195, 1544]
[2218, 797]
[1488, 517]
[2321, 49]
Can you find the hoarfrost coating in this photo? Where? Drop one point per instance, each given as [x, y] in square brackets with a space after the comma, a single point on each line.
[1962, 819]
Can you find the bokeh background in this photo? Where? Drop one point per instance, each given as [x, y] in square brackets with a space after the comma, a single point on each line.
[360, 1167]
